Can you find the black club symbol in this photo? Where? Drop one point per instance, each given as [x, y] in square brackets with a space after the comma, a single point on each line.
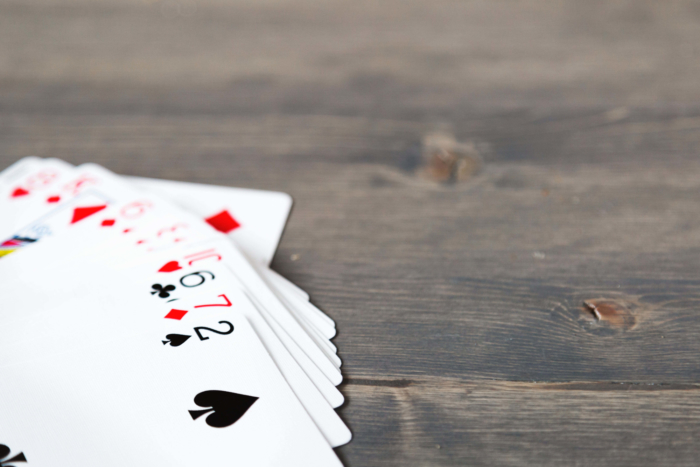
[162, 291]
[4, 452]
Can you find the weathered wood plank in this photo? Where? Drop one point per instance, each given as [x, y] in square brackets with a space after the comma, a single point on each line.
[449, 422]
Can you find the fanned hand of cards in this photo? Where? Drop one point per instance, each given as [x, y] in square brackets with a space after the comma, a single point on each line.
[141, 325]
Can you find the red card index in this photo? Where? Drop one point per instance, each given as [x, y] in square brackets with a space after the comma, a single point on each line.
[223, 222]
[81, 213]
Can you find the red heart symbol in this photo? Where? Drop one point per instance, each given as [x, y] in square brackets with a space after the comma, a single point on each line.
[170, 267]
[19, 192]
[53, 199]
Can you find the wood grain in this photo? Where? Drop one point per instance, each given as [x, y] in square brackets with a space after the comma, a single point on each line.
[460, 306]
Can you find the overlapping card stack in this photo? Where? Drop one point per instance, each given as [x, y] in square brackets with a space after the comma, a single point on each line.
[142, 326]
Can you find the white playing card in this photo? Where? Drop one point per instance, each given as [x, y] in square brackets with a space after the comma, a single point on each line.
[253, 219]
[134, 401]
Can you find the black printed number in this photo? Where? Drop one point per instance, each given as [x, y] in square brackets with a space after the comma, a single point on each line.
[196, 279]
[199, 330]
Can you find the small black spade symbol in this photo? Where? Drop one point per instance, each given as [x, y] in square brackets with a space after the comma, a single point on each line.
[175, 340]
[227, 407]
[4, 452]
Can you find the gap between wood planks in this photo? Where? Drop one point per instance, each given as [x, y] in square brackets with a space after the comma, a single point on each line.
[522, 385]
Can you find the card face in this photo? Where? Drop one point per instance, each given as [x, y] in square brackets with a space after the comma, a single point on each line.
[253, 219]
[218, 401]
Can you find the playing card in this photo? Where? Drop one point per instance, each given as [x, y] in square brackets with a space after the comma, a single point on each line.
[253, 219]
[217, 400]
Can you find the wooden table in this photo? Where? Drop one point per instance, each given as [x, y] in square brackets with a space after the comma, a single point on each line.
[497, 201]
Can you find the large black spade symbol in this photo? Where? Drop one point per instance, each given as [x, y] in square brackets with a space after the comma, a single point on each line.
[5, 451]
[175, 340]
[227, 407]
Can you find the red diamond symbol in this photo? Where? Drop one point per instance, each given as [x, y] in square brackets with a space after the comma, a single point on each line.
[108, 222]
[176, 314]
[223, 222]
[53, 199]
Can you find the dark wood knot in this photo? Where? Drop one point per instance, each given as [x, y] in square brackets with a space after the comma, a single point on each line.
[445, 160]
[615, 312]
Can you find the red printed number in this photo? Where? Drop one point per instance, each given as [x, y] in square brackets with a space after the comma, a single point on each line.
[135, 209]
[41, 179]
[74, 187]
[210, 253]
[228, 303]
